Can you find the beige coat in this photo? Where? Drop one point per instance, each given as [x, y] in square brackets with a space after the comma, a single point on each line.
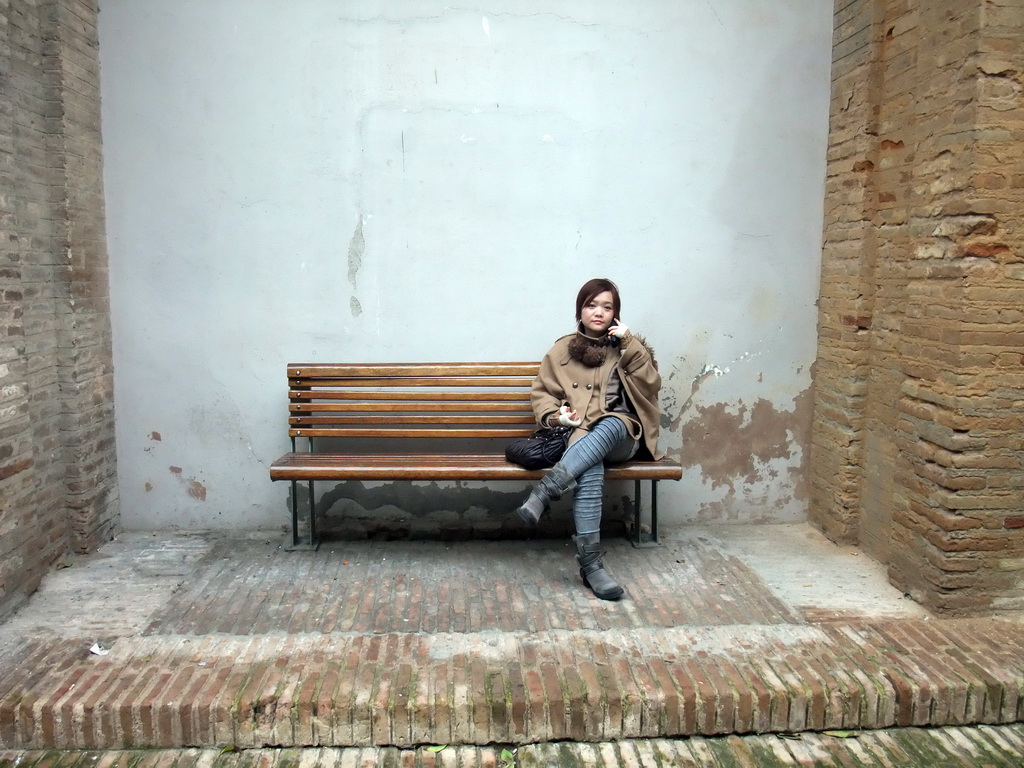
[564, 381]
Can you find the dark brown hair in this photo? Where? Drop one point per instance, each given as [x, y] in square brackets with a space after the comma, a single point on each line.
[593, 287]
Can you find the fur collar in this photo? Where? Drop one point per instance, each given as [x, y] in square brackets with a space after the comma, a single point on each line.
[591, 352]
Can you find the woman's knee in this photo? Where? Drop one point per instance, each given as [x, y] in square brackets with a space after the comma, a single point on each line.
[592, 479]
[624, 451]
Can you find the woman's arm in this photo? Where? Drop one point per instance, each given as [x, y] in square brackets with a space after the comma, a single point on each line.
[637, 363]
[546, 396]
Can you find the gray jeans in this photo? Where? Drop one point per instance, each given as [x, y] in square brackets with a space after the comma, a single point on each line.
[608, 442]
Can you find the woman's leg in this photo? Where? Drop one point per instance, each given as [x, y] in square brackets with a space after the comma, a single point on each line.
[583, 455]
[588, 500]
[583, 466]
[592, 449]
[586, 507]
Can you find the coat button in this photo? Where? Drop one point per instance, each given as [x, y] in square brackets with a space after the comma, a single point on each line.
[575, 385]
[590, 386]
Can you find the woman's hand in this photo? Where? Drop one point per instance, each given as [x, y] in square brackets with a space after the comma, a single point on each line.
[619, 330]
[568, 418]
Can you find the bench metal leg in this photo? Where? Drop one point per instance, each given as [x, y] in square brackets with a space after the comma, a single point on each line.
[292, 542]
[654, 512]
[314, 540]
[640, 539]
[638, 508]
[295, 514]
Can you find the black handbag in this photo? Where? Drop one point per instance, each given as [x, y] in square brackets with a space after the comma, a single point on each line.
[540, 450]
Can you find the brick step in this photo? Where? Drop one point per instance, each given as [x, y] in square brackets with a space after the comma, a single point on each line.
[955, 747]
[588, 685]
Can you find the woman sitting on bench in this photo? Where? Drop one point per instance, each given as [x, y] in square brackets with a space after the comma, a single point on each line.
[603, 381]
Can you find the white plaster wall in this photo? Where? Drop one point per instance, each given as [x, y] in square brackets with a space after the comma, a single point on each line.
[399, 181]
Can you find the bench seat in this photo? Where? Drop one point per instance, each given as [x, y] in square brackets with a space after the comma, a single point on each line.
[429, 466]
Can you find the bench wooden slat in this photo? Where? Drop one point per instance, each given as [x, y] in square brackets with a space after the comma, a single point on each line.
[434, 466]
[381, 370]
[436, 382]
[507, 432]
[402, 419]
[405, 407]
[403, 396]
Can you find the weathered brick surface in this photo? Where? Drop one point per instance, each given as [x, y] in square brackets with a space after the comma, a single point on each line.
[903, 748]
[30, 477]
[57, 469]
[86, 364]
[137, 696]
[917, 447]
[553, 663]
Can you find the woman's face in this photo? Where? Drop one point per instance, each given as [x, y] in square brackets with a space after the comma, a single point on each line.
[597, 314]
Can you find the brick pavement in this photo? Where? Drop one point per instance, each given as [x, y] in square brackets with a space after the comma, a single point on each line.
[399, 644]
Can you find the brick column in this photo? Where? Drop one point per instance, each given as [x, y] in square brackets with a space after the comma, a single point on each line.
[32, 534]
[845, 301]
[57, 470]
[923, 461]
[85, 355]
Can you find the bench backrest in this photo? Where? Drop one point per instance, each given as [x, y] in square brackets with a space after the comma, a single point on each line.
[430, 400]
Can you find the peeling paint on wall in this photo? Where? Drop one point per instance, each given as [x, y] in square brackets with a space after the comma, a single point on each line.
[197, 490]
[736, 447]
[711, 370]
[743, 449]
[730, 446]
[671, 415]
[193, 487]
[356, 249]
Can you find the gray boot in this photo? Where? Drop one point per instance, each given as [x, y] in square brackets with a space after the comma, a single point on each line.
[588, 555]
[552, 486]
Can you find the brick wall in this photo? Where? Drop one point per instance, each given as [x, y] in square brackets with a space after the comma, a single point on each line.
[917, 449]
[57, 464]
[86, 364]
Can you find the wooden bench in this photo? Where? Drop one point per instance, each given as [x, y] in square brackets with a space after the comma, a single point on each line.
[421, 421]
